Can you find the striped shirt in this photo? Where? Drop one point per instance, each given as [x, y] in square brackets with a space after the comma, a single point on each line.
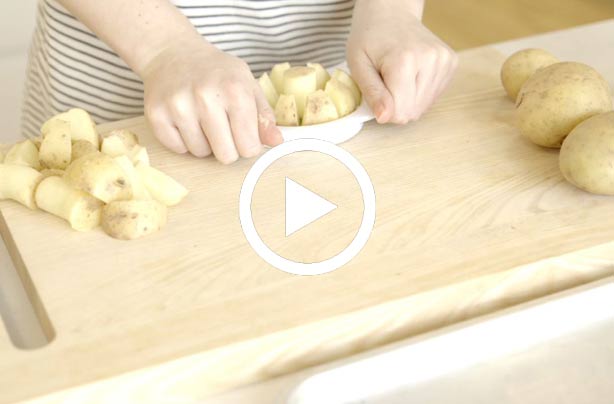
[70, 67]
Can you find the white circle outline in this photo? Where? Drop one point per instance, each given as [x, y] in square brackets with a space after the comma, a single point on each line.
[302, 268]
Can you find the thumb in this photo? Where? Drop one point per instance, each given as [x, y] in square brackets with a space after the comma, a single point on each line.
[373, 88]
[270, 134]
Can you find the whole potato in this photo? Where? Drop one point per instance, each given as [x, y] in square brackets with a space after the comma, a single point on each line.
[557, 98]
[587, 155]
[520, 66]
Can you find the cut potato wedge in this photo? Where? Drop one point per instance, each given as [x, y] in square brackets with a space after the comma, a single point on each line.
[99, 175]
[322, 75]
[300, 82]
[342, 97]
[286, 113]
[348, 81]
[56, 196]
[161, 187]
[277, 76]
[114, 146]
[82, 126]
[129, 138]
[319, 109]
[129, 220]
[139, 154]
[56, 146]
[18, 182]
[268, 89]
[51, 172]
[139, 191]
[24, 154]
[81, 148]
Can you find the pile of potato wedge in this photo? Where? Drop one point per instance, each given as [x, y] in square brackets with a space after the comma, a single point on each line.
[308, 95]
[566, 105]
[72, 172]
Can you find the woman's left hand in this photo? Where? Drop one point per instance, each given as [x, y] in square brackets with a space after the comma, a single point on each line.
[400, 66]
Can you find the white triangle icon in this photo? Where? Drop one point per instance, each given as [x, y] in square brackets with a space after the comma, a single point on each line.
[303, 206]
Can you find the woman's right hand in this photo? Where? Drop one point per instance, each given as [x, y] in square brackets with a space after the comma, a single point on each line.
[202, 100]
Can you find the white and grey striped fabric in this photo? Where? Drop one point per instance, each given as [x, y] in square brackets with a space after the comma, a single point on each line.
[70, 67]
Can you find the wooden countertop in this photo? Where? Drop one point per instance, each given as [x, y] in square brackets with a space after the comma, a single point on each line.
[470, 219]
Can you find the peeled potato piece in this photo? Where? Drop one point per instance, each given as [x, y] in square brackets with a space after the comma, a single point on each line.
[161, 187]
[56, 146]
[319, 109]
[114, 146]
[286, 113]
[129, 220]
[139, 191]
[99, 175]
[341, 95]
[24, 154]
[300, 82]
[277, 76]
[139, 154]
[81, 148]
[268, 89]
[129, 138]
[348, 81]
[322, 75]
[50, 172]
[82, 126]
[18, 183]
[56, 196]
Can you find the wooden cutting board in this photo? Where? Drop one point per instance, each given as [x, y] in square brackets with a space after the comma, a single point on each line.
[191, 310]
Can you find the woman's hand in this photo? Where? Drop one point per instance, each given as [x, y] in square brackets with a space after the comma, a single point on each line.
[202, 100]
[400, 66]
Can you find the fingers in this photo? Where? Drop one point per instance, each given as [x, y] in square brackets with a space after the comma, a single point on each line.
[400, 75]
[243, 117]
[184, 115]
[268, 132]
[164, 130]
[373, 88]
[214, 122]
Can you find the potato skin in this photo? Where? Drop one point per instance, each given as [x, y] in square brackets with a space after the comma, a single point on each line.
[587, 155]
[557, 98]
[520, 66]
[129, 220]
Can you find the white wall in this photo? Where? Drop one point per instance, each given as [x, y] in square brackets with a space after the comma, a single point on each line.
[17, 19]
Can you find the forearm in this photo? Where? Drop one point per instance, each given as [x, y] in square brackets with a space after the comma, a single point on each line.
[416, 7]
[137, 30]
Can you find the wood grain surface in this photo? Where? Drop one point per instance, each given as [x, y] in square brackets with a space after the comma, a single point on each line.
[464, 203]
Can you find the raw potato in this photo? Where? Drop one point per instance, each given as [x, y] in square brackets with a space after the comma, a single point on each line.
[161, 187]
[99, 175]
[56, 196]
[322, 75]
[319, 108]
[114, 146]
[277, 76]
[81, 148]
[24, 154]
[18, 182]
[268, 89]
[56, 147]
[341, 96]
[139, 154]
[587, 155]
[130, 139]
[129, 220]
[286, 113]
[37, 141]
[300, 81]
[139, 192]
[520, 66]
[50, 172]
[4, 148]
[348, 81]
[82, 127]
[557, 98]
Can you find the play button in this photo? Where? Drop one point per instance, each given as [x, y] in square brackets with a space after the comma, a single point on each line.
[303, 206]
